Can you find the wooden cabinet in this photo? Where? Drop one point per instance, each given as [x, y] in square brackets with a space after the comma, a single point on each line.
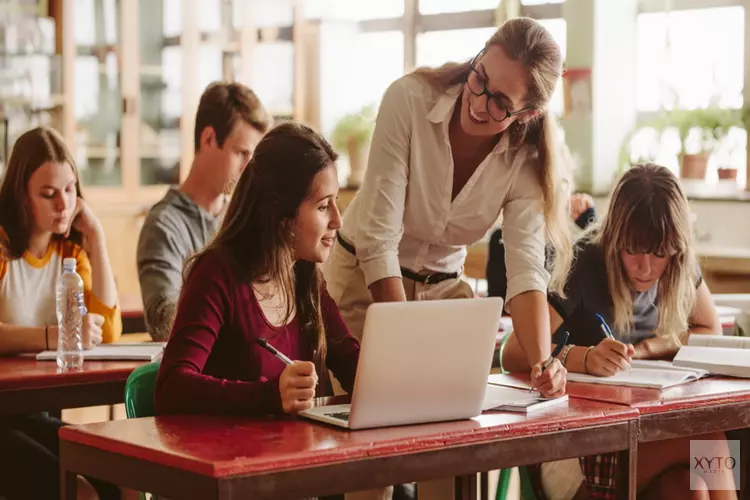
[132, 75]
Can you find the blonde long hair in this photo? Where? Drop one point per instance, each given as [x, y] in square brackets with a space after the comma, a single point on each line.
[527, 41]
[649, 214]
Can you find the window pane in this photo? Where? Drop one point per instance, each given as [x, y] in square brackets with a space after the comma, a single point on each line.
[441, 6]
[669, 49]
[172, 17]
[664, 149]
[161, 95]
[381, 62]
[209, 15]
[85, 33]
[558, 28]
[273, 76]
[98, 114]
[354, 9]
[435, 48]
[264, 12]
[210, 65]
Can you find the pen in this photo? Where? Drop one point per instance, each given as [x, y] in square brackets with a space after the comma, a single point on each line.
[555, 353]
[268, 347]
[605, 327]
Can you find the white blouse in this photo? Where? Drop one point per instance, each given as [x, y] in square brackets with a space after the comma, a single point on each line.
[403, 214]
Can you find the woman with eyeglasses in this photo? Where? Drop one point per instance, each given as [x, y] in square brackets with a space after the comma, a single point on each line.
[455, 148]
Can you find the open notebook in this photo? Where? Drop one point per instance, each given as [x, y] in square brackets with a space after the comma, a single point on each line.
[645, 373]
[146, 351]
[719, 354]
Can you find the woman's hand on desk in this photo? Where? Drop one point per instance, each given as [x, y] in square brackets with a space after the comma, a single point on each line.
[609, 357]
[551, 381]
[297, 386]
[92, 330]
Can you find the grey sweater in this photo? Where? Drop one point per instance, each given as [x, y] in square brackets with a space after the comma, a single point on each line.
[175, 229]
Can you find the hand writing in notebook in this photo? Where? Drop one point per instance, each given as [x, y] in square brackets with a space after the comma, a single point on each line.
[609, 357]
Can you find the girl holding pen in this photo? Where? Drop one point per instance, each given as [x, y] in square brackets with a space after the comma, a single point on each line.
[255, 328]
[637, 272]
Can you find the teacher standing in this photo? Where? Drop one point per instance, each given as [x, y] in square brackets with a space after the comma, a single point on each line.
[454, 148]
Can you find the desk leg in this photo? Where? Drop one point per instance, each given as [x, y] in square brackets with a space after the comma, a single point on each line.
[467, 487]
[627, 465]
[68, 485]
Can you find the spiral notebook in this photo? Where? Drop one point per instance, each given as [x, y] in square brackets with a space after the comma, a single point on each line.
[146, 351]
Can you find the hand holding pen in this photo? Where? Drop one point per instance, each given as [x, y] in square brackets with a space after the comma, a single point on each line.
[549, 376]
[297, 382]
[610, 355]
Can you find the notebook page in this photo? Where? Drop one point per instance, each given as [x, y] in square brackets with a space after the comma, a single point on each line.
[134, 352]
[654, 378]
[658, 364]
[720, 360]
[719, 341]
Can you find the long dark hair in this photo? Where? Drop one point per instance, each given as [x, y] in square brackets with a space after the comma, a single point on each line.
[32, 150]
[256, 235]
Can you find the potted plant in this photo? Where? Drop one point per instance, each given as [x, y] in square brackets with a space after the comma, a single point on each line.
[352, 135]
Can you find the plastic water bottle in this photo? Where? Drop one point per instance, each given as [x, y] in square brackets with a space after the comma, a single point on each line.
[70, 312]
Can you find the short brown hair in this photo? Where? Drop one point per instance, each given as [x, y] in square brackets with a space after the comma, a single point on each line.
[222, 105]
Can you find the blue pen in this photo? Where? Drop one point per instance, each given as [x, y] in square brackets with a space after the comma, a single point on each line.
[605, 327]
[555, 353]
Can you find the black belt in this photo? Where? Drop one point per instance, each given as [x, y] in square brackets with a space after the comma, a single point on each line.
[427, 279]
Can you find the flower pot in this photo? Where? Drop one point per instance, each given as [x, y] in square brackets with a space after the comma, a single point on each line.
[357, 152]
[693, 166]
[727, 173]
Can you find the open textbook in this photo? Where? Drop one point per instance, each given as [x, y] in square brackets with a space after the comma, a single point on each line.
[645, 373]
[499, 398]
[719, 354]
[144, 351]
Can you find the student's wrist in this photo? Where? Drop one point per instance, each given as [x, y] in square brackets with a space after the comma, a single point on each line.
[575, 361]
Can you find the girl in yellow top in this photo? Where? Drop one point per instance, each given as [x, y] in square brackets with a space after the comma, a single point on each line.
[43, 219]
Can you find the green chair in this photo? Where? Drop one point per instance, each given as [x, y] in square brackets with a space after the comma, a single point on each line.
[139, 396]
[139, 391]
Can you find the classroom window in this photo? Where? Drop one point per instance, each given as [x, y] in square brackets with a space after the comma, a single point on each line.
[690, 59]
[444, 6]
[380, 62]
[357, 10]
[172, 20]
[209, 15]
[558, 28]
[435, 48]
[664, 149]
[264, 13]
[272, 76]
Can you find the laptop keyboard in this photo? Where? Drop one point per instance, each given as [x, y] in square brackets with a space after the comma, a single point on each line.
[342, 415]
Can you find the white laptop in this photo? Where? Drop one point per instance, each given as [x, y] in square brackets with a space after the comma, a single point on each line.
[423, 361]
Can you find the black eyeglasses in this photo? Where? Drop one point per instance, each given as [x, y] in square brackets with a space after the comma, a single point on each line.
[478, 86]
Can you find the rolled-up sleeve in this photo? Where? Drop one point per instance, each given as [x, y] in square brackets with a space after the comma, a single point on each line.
[383, 193]
[524, 235]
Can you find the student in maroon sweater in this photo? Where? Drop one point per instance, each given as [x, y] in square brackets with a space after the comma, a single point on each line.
[259, 278]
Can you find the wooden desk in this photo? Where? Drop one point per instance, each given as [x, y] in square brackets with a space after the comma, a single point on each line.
[225, 458]
[707, 405]
[131, 310]
[27, 385]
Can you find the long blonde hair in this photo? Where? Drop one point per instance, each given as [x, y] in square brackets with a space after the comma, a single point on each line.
[527, 41]
[649, 214]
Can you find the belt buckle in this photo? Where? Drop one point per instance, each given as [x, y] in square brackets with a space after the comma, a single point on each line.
[428, 279]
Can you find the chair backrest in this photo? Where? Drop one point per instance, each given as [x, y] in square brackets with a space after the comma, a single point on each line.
[139, 391]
